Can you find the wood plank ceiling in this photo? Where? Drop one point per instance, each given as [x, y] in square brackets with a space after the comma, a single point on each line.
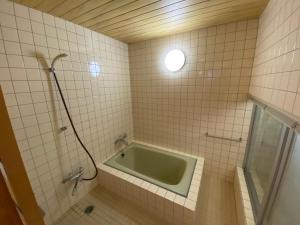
[137, 20]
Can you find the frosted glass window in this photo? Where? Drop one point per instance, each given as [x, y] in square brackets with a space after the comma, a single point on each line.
[285, 210]
[266, 144]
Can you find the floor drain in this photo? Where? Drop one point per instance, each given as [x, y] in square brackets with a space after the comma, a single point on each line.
[89, 209]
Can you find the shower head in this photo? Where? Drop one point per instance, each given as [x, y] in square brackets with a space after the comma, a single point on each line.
[55, 59]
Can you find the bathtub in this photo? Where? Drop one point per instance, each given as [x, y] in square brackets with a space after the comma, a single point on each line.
[164, 182]
[165, 169]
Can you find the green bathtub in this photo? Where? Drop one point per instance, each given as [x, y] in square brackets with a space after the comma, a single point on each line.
[168, 170]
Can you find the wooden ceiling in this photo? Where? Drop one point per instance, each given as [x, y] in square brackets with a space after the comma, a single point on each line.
[137, 20]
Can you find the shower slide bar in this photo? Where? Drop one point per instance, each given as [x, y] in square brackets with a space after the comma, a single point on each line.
[224, 138]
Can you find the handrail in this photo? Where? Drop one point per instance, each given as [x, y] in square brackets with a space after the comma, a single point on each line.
[224, 138]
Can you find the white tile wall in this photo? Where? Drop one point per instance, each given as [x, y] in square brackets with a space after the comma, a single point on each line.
[100, 106]
[276, 70]
[209, 94]
[243, 204]
[172, 110]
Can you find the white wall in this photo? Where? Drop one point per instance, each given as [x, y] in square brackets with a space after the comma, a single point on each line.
[171, 110]
[276, 70]
[209, 94]
[100, 106]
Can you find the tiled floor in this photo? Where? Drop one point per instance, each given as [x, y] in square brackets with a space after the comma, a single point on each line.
[217, 202]
[109, 209]
[217, 208]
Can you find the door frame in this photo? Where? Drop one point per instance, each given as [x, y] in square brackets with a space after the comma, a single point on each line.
[15, 172]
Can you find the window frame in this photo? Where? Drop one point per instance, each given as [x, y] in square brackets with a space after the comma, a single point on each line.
[260, 209]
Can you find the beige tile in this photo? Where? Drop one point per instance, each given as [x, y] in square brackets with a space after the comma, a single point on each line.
[277, 54]
[7, 7]
[48, 19]
[10, 34]
[109, 209]
[21, 11]
[26, 37]
[4, 74]
[175, 110]
[289, 101]
[35, 15]
[293, 81]
[15, 61]
[38, 27]
[3, 60]
[23, 24]
[7, 20]
[35, 107]
[217, 202]
[296, 109]
[12, 48]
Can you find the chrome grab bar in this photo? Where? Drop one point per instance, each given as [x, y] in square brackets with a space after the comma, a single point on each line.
[224, 138]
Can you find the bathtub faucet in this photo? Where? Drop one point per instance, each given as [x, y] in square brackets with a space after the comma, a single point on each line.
[122, 140]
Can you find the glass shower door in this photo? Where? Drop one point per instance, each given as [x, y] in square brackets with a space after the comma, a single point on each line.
[265, 147]
[286, 207]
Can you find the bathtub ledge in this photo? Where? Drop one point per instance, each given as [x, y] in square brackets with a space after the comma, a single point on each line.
[243, 204]
[169, 206]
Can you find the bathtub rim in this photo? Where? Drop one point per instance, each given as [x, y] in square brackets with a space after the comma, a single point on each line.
[183, 186]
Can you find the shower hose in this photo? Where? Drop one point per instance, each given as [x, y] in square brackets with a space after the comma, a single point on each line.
[74, 129]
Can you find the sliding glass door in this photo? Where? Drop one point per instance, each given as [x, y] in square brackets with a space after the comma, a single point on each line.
[267, 141]
[285, 209]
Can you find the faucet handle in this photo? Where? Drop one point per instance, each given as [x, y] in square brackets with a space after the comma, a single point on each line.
[76, 175]
[124, 135]
[74, 190]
